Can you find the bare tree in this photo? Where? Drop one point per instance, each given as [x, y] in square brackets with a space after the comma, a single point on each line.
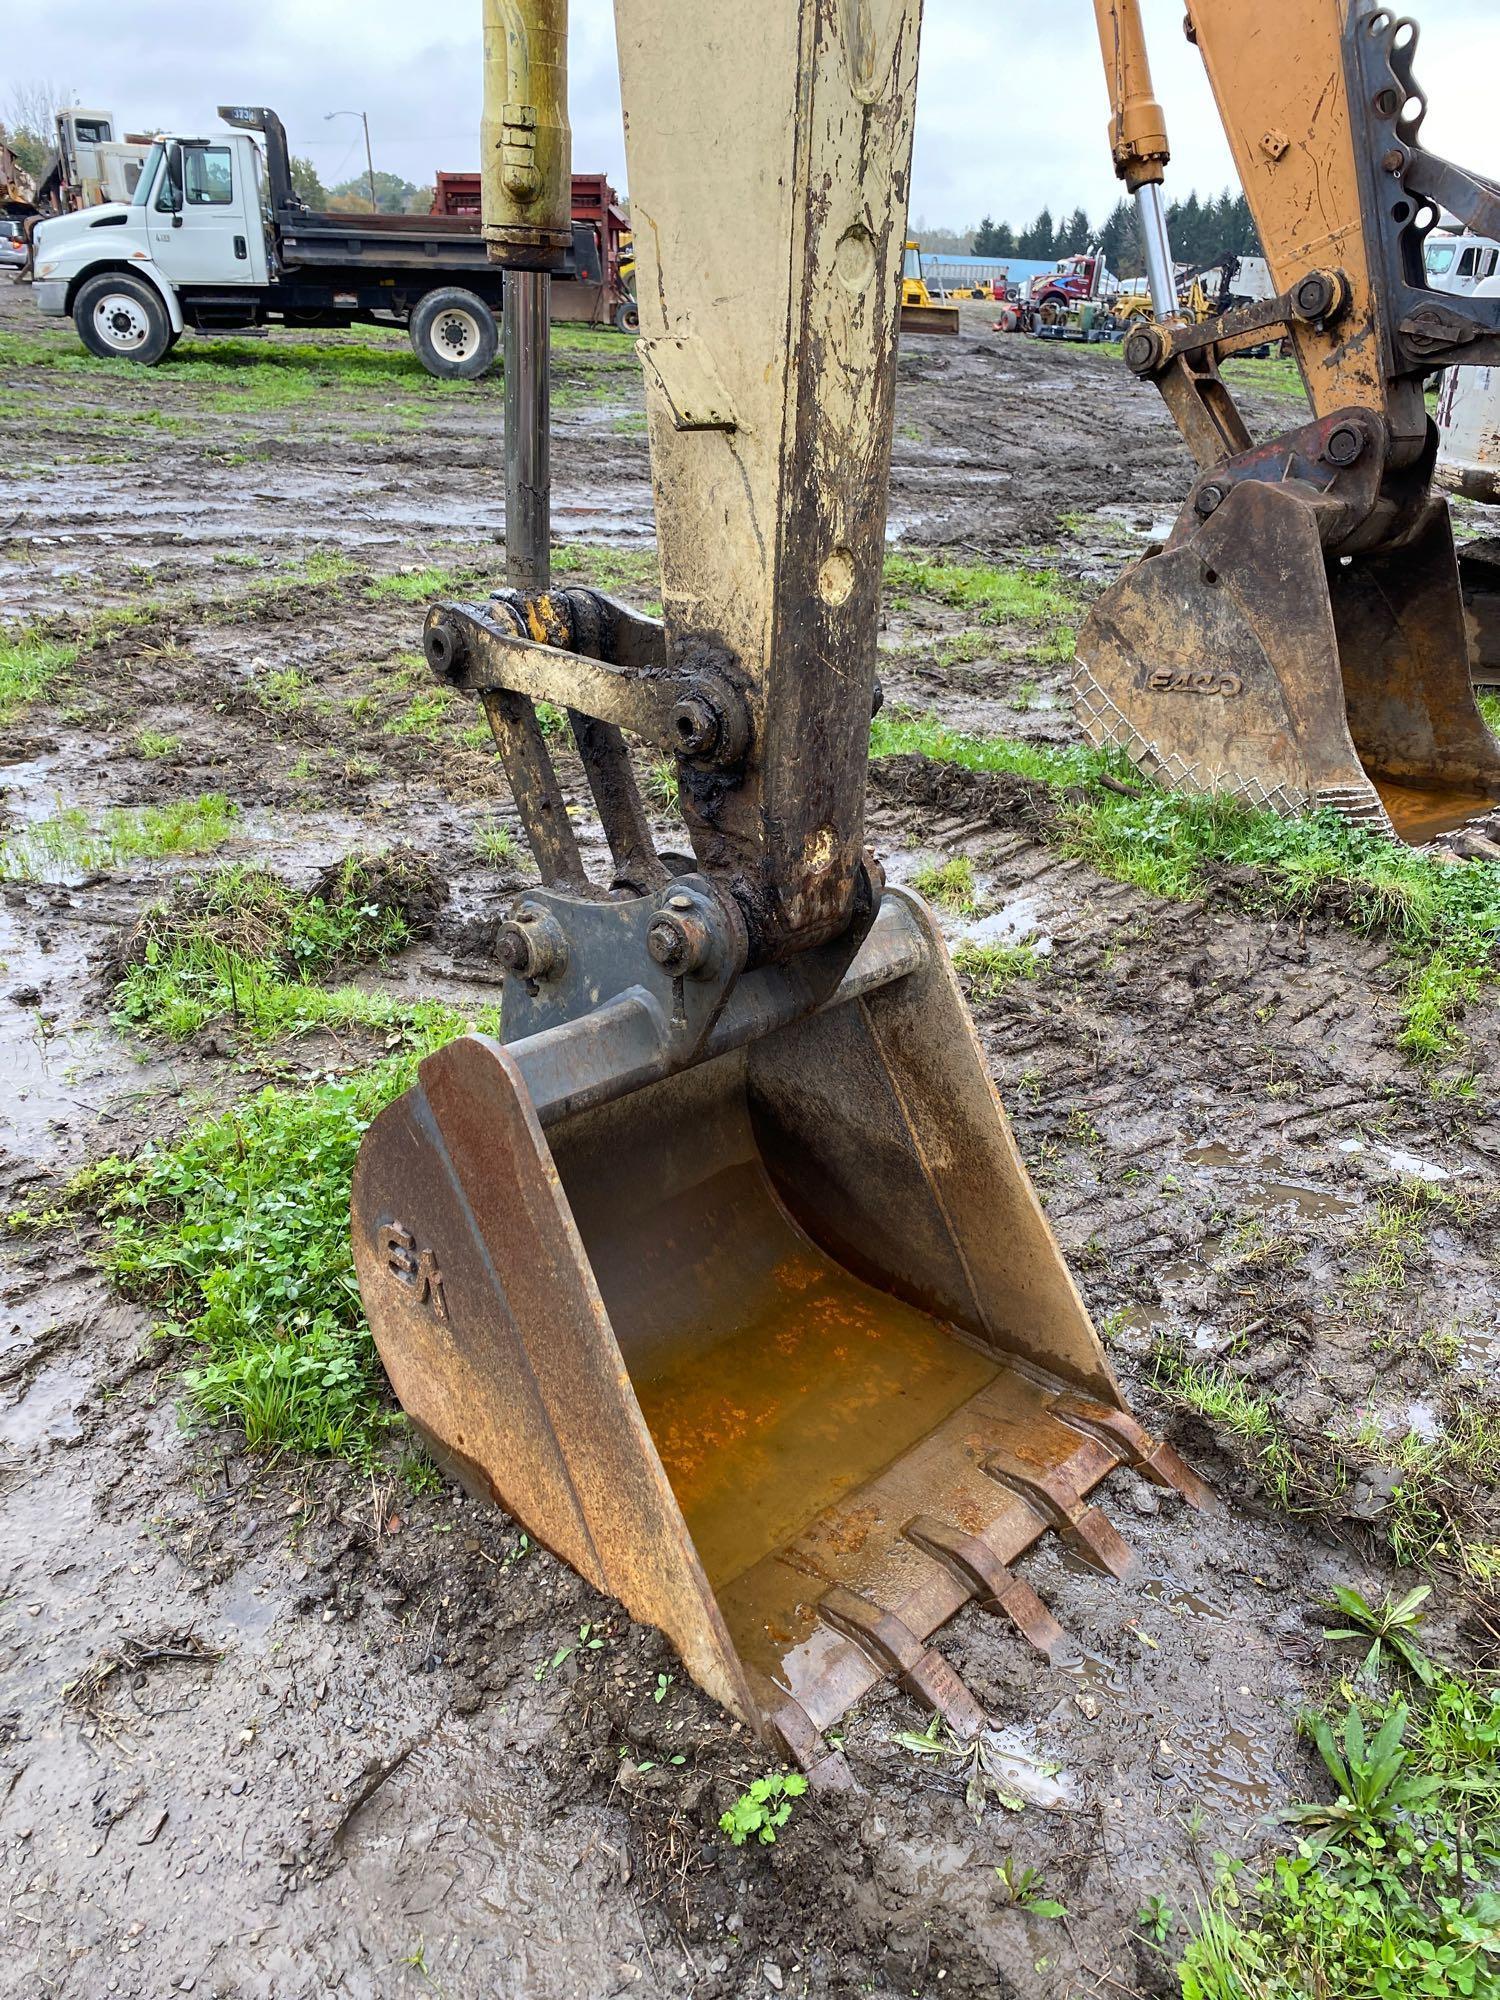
[32, 106]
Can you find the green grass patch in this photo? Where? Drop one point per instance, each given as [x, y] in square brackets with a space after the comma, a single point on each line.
[987, 969]
[30, 667]
[422, 586]
[1444, 919]
[1386, 1894]
[662, 786]
[1220, 1395]
[239, 944]
[950, 884]
[900, 731]
[1489, 708]
[987, 594]
[155, 745]
[238, 1235]
[609, 568]
[495, 844]
[70, 844]
[1274, 375]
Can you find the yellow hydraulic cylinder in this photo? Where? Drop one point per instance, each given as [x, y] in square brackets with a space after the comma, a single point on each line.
[1137, 125]
[526, 144]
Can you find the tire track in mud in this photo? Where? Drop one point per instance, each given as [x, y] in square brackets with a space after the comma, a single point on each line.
[390, 1766]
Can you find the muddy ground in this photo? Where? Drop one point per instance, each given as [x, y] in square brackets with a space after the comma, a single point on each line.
[324, 1749]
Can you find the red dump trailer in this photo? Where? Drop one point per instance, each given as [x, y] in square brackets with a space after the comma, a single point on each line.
[597, 295]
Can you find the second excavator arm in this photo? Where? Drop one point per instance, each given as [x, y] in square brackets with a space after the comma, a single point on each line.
[1300, 639]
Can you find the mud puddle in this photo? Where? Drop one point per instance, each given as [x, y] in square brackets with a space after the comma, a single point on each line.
[279, 1728]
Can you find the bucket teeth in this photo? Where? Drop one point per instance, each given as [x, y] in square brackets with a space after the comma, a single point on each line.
[892, 1645]
[1086, 1529]
[827, 1769]
[1138, 1449]
[995, 1587]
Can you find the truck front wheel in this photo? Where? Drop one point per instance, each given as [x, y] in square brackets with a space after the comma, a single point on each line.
[121, 318]
[454, 334]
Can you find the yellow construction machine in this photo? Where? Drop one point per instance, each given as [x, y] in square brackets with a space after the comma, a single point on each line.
[1299, 641]
[920, 311]
[720, 1269]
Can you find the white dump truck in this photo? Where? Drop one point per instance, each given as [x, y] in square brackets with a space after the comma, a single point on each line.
[215, 238]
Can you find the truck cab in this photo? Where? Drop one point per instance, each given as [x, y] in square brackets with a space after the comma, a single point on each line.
[1461, 263]
[206, 212]
[1082, 276]
[194, 227]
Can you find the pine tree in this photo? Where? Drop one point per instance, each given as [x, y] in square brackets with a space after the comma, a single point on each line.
[984, 239]
[1074, 235]
[1040, 239]
[1120, 241]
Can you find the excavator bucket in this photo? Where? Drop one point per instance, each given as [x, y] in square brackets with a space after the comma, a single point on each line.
[720, 1271]
[778, 1350]
[1241, 659]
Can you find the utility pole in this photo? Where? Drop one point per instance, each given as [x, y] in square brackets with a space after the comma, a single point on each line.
[364, 119]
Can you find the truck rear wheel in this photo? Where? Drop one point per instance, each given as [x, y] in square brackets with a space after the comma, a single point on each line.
[121, 318]
[454, 334]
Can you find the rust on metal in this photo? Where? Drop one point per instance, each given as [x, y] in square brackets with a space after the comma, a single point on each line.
[680, 1342]
[995, 1587]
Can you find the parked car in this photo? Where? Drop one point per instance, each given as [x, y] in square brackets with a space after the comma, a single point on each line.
[13, 251]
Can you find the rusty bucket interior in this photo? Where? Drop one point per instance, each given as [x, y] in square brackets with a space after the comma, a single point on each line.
[779, 1350]
[1243, 659]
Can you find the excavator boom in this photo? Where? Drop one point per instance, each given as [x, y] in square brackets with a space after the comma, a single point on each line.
[1299, 641]
[721, 1270]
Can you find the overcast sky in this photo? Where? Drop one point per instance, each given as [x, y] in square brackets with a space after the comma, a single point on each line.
[1011, 110]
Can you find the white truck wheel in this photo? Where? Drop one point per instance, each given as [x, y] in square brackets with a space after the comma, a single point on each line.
[121, 318]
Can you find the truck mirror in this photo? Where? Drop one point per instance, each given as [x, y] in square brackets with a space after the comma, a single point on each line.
[174, 182]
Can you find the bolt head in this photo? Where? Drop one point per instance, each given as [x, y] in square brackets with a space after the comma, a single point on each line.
[512, 950]
[666, 944]
[1209, 497]
[695, 726]
[532, 945]
[680, 943]
[1346, 442]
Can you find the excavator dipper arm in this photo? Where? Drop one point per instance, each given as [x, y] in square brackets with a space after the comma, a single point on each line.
[721, 1270]
[1300, 639]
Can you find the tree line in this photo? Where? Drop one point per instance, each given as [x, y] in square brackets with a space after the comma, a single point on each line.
[1201, 231]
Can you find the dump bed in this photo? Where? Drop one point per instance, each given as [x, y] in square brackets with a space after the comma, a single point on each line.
[311, 236]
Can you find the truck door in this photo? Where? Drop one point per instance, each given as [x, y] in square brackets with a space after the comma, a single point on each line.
[205, 222]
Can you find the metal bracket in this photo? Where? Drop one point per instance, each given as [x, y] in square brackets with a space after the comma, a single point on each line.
[1403, 188]
[679, 949]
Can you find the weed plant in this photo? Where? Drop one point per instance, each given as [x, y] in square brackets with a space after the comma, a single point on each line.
[1387, 1892]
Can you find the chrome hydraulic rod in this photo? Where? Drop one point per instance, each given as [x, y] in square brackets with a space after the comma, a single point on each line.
[1151, 217]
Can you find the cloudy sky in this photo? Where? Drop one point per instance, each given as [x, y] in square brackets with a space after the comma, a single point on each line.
[1011, 110]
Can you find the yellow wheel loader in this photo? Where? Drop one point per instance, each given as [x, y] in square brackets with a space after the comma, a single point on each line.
[1299, 641]
[720, 1269]
[920, 311]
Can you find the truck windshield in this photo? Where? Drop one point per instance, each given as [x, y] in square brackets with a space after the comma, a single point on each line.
[1439, 258]
[140, 194]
